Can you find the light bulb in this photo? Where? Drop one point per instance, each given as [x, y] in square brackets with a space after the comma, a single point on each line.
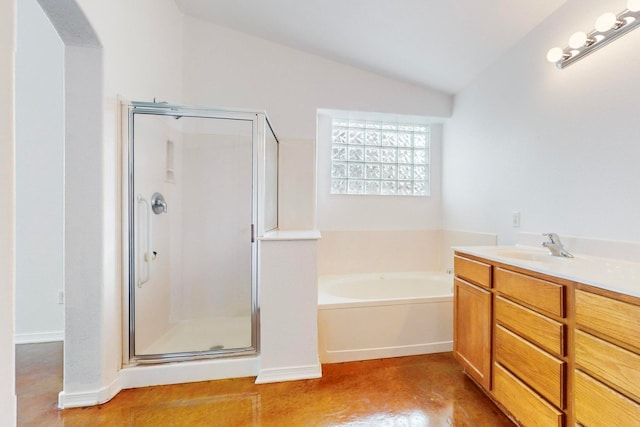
[633, 5]
[606, 21]
[577, 40]
[555, 54]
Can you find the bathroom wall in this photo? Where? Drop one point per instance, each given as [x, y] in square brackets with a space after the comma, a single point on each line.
[559, 146]
[229, 68]
[140, 59]
[39, 177]
[139, 67]
[7, 352]
[363, 234]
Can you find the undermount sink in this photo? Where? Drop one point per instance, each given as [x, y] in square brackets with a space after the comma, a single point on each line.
[529, 255]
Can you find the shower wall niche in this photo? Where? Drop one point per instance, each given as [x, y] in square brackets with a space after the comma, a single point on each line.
[202, 185]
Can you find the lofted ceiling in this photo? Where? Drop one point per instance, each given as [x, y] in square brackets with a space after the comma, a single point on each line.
[440, 44]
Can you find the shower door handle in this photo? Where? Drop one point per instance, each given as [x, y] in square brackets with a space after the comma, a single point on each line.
[146, 258]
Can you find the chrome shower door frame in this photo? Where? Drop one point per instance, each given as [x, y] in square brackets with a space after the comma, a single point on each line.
[258, 120]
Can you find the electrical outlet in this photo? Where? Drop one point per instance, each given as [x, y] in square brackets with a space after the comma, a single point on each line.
[515, 219]
[60, 297]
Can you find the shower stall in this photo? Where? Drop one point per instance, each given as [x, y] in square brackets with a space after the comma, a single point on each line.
[201, 187]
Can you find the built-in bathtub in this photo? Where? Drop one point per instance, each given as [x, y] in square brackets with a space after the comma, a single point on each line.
[371, 316]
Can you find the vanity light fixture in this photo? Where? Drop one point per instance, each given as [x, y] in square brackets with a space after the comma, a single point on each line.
[608, 27]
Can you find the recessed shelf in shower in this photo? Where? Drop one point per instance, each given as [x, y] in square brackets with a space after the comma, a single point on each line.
[170, 171]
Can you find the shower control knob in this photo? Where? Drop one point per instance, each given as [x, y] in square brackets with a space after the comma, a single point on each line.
[158, 204]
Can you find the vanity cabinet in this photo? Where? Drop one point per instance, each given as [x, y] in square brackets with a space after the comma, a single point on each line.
[517, 351]
[607, 358]
[548, 351]
[472, 318]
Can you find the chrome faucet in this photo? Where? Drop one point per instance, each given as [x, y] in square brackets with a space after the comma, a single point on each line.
[555, 246]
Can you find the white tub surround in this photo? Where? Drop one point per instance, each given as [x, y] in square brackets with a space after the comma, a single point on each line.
[288, 332]
[370, 316]
[605, 273]
[366, 251]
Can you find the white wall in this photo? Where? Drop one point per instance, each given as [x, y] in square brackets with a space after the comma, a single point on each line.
[228, 68]
[141, 47]
[560, 146]
[39, 177]
[7, 206]
[140, 68]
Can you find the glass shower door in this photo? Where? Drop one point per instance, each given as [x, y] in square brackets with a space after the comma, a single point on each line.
[192, 255]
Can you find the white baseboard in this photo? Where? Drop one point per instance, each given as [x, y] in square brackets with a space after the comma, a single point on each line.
[89, 398]
[340, 356]
[39, 337]
[290, 373]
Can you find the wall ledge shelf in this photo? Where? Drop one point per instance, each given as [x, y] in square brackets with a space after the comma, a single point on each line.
[291, 235]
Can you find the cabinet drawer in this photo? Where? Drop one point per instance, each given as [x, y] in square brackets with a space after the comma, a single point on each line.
[523, 403]
[598, 405]
[541, 294]
[618, 366]
[541, 371]
[615, 319]
[474, 271]
[543, 331]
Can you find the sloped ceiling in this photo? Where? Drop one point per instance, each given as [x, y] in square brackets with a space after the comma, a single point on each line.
[440, 44]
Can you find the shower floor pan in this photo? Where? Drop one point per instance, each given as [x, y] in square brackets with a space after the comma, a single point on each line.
[198, 335]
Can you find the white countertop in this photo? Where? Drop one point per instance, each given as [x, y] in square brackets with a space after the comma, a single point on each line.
[606, 273]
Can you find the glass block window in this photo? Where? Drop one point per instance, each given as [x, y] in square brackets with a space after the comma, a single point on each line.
[379, 158]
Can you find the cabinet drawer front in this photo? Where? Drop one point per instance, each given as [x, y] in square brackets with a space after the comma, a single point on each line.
[541, 371]
[545, 332]
[474, 271]
[598, 405]
[541, 294]
[523, 403]
[615, 364]
[615, 319]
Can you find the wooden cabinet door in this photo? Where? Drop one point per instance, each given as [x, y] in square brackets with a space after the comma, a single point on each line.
[472, 331]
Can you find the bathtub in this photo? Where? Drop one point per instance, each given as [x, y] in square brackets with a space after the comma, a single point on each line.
[372, 316]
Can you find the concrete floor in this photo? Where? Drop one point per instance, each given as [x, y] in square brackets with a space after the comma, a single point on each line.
[416, 391]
